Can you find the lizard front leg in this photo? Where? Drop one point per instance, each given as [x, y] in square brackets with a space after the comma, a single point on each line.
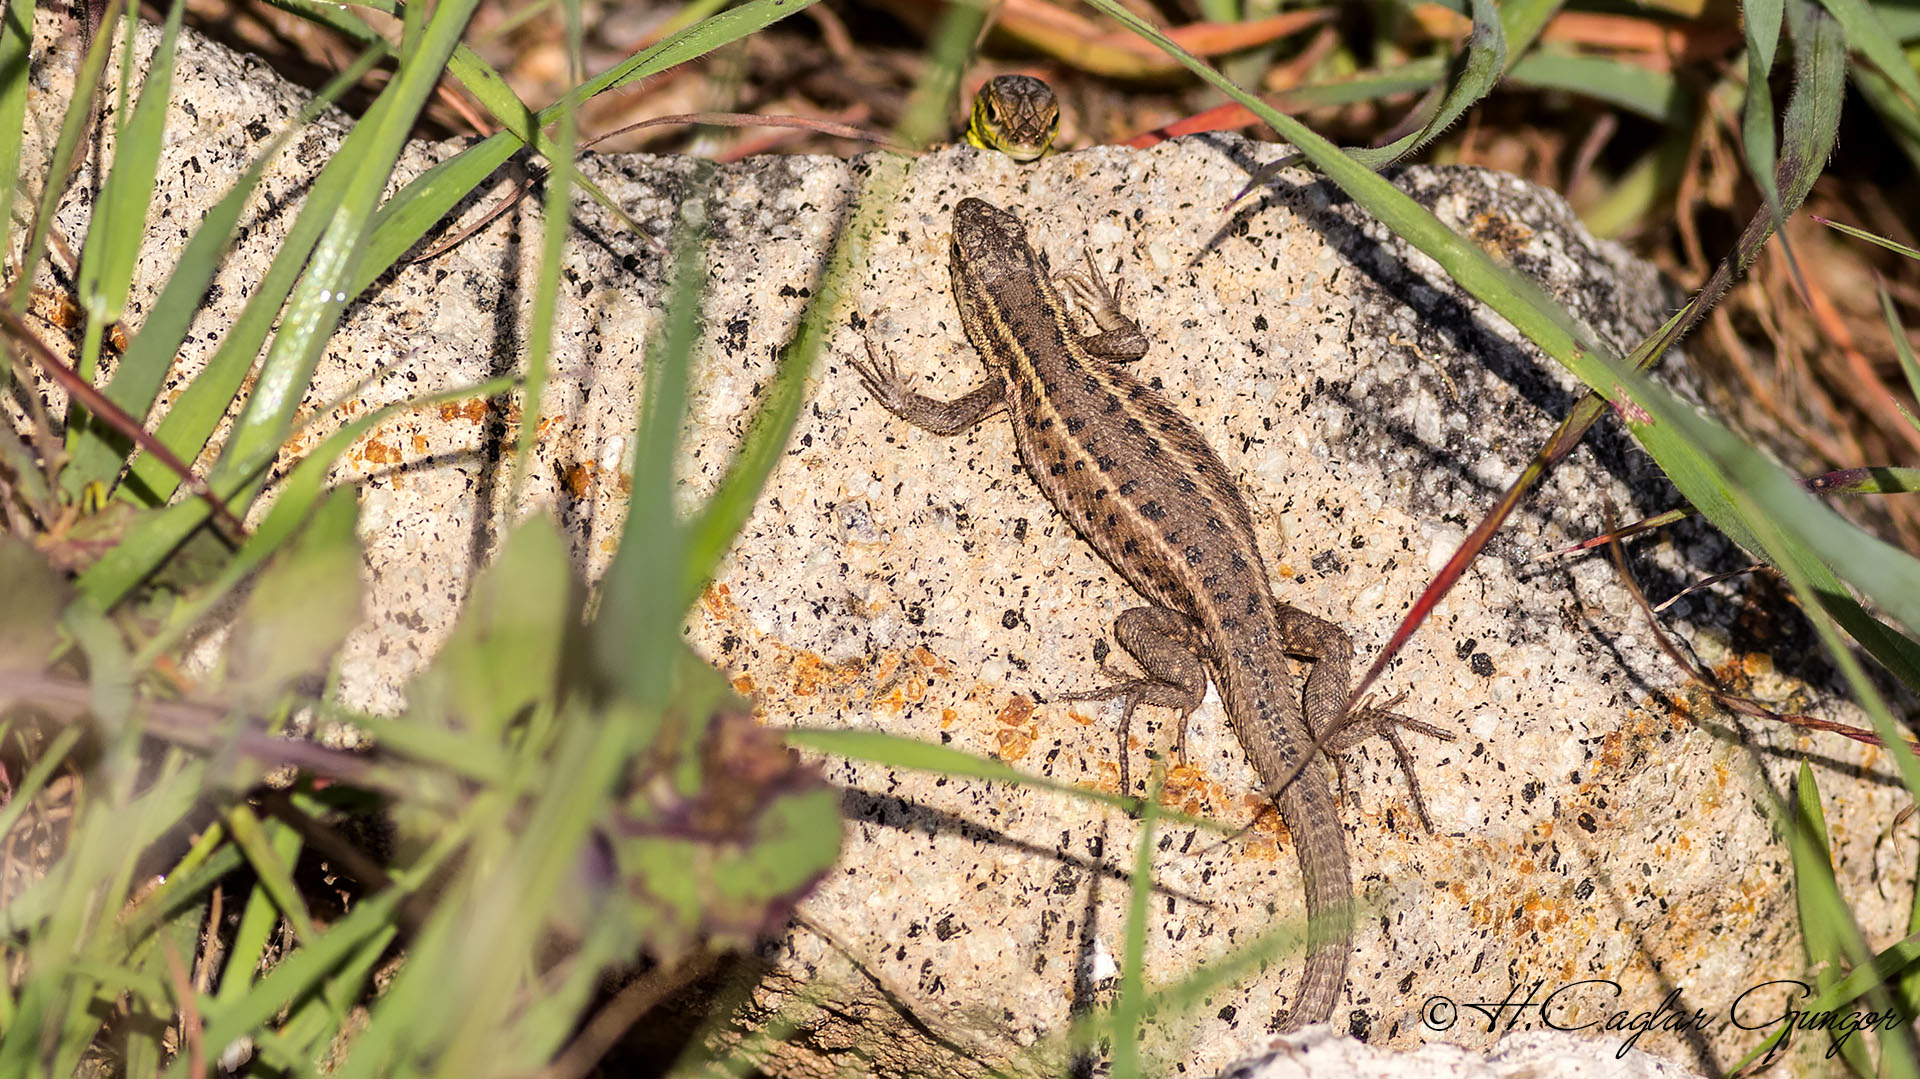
[1120, 339]
[883, 381]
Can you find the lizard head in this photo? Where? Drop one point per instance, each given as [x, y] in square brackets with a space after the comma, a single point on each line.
[990, 247]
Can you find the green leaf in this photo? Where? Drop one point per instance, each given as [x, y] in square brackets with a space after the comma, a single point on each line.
[271, 849]
[1832, 940]
[1366, 85]
[372, 920]
[1130, 1002]
[304, 604]
[36, 596]
[506, 651]
[893, 751]
[157, 533]
[1901, 345]
[1863, 234]
[725, 860]
[556, 224]
[1475, 72]
[119, 222]
[640, 611]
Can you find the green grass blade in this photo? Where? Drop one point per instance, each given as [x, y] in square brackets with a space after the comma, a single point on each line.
[1863, 234]
[137, 379]
[640, 617]
[1901, 118]
[1129, 1005]
[1828, 932]
[893, 751]
[320, 298]
[479, 79]
[194, 416]
[373, 919]
[1410, 77]
[270, 851]
[1813, 111]
[1762, 26]
[1869, 36]
[16, 54]
[925, 118]
[1901, 346]
[149, 540]
[73, 128]
[1656, 95]
[556, 224]
[1476, 72]
[711, 531]
[119, 222]
[429, 197]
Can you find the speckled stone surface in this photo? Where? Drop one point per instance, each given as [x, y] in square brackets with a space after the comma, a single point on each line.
[1593, 820]
[1522, 1056]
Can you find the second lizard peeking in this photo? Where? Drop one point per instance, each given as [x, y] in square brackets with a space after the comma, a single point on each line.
[1017, 115]
[1140, 484]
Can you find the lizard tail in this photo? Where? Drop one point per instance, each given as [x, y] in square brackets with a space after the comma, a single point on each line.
[1320, 844]
[1267, 717]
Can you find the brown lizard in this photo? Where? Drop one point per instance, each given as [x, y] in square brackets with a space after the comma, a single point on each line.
[1138, 481]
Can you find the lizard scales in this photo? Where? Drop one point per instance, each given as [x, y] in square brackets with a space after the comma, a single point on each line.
[1140, 484]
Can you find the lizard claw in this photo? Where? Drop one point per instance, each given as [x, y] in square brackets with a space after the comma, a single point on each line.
[881, 377]
[1089, 288]
[1366, 720]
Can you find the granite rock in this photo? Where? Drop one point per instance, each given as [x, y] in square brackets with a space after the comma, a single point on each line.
[1598, 829]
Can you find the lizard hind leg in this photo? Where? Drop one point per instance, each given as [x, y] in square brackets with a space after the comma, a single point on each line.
[1167, 644]
[1328, 646]
[1366, 721]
